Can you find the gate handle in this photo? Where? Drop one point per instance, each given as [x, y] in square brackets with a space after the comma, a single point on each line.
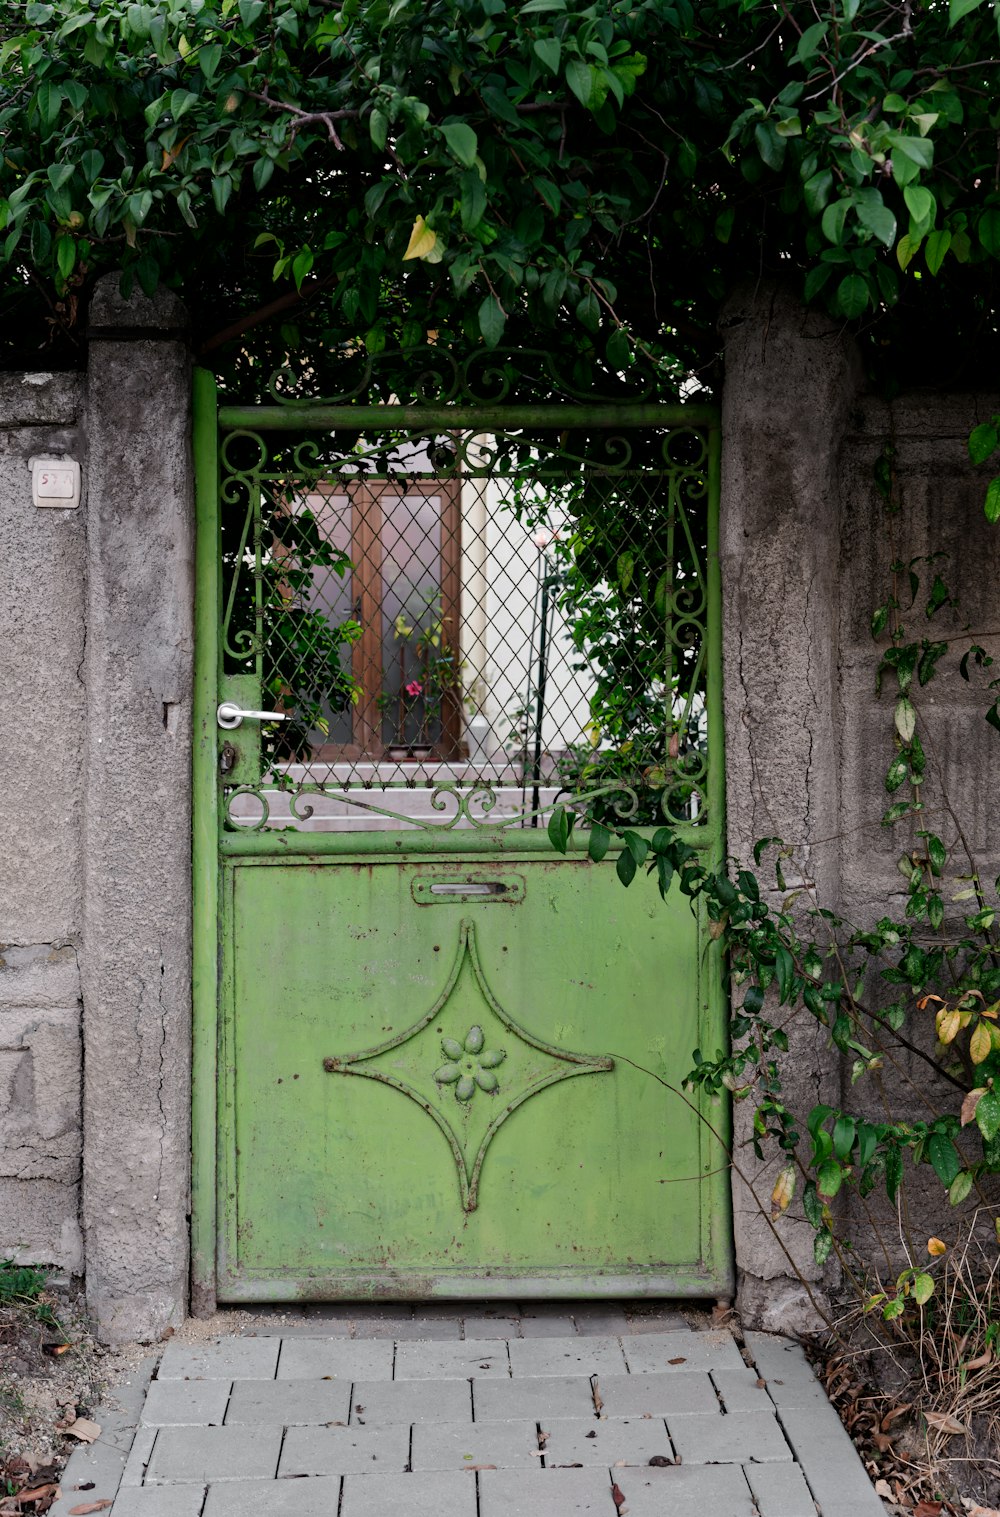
[230, 715]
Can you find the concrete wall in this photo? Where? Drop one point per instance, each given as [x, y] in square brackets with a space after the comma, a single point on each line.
[96, 643]
[42, 589]
[806, 547]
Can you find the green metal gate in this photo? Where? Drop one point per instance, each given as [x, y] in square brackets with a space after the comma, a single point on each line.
[433, 1057]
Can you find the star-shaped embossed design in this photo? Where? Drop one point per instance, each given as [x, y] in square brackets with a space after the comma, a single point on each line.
[474, 1051]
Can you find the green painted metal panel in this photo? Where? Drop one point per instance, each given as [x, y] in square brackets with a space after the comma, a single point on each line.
[405, 1088]
[356, 1023]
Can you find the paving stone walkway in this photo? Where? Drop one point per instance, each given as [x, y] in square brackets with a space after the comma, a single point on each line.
[540, 1413]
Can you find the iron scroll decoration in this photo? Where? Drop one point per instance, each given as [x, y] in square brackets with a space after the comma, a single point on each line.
[258, 469]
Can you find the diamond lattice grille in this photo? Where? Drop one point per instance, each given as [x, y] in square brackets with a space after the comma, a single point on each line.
[459, 629]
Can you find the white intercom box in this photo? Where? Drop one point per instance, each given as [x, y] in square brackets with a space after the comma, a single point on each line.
[55, 482]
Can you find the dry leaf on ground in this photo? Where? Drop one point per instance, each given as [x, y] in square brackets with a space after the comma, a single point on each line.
[88, 1506]
[944, 1422]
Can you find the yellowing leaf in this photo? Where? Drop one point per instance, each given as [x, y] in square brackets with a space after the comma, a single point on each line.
[784, 1190]
[422, 240]
[980, 1043]
[948, 1024]
[970, 1103]
[935, 1247]
[171, 155]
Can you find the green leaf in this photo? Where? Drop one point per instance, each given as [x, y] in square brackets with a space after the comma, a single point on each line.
[473, 200]
[920, 203]
[988, 1115]
[378, 128]
[920, 150]
[785, 971]
[923, 1288]
[462, 141]
[938, 244]
[852, 295]
[959, 8]
[829, 1179]
[222, 188]
[636, 845]
[983, 441]
[822, 1244]
[66, 256]
[905, 719]
[625, 867]
[559, 829]
[598, 842]
[943, 1156]
[875, 216]
[816, 191]
[492, 320]
[770, 146]
[580, 77]
[549, 50]
[811, 41]
[834, 218]
[960, 1187]
[844, 1130]
[991, 505]
[988, 230]
[59, 174]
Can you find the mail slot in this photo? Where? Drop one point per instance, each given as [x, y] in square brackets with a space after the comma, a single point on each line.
[437, 890]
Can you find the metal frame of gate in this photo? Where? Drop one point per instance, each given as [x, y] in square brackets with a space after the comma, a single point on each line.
[211, 842]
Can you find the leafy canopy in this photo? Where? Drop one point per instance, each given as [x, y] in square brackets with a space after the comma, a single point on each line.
[486, 170]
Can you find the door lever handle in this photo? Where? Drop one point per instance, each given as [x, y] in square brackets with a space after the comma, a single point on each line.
[230, 715]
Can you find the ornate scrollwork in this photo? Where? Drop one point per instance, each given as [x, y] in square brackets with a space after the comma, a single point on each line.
[430, 375]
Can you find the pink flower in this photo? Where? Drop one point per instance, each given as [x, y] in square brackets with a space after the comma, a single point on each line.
[414, 688]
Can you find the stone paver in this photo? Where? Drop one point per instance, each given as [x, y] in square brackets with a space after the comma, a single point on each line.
[780, 1490]
[453, 1361]
[437, 1411]
[601, 1321]
[290, 1401]
[157, 1501]
[225, 1359]
[204, 1454]
[547, 1325]
[344, 1450]
[421, 1494]
[708, 1490]
[736, 1439]
[404, 1328]
[479, 1325]
[634, 1440]
[682, 1352]
[551, 1396]
[377, 1402]
[741, 1390]
[658, 1396]
[336, 1359]
[464, 1446]
[835, 1474]
[567, 1356]
[274, 1498]
[556, 1493]
[201, 1402]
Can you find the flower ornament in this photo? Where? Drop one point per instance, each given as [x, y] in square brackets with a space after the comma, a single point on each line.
[470, 1064]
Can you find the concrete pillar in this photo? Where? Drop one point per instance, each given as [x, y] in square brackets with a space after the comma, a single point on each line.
[137, 847]
[792, 378]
